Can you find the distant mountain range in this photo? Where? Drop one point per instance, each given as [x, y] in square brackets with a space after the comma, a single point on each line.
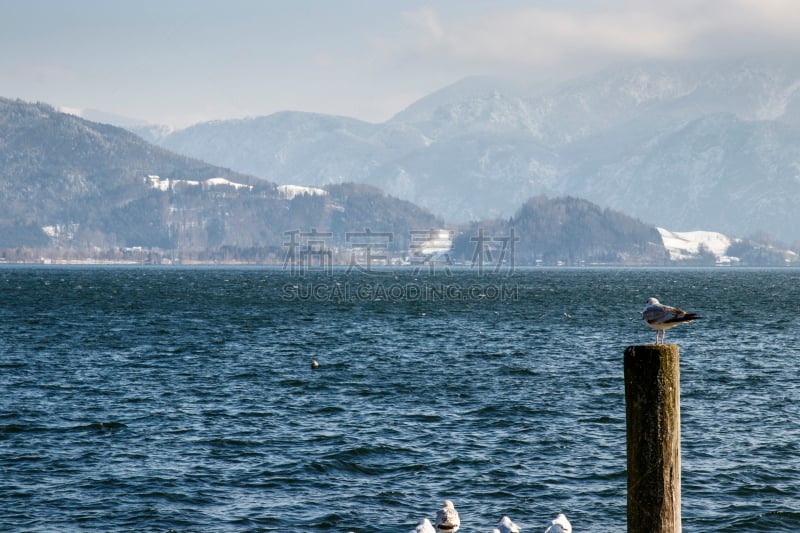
[470, 160]
[72, 188]
[74, 185]
[685, 146]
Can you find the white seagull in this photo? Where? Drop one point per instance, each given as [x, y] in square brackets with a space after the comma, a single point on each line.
[447, 518]
[424, 526]
[559, 524]
[661, 317]
[505, 525]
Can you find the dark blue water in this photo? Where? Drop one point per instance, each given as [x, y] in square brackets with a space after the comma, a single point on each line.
[150, 399]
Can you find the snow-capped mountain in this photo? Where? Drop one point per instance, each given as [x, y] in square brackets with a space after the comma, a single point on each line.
[303, 148]
[152, 133]
[679, 145]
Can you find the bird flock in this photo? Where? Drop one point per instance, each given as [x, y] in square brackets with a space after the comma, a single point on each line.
[448, 521]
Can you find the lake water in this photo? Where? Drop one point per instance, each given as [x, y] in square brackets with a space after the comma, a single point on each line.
[155, 399]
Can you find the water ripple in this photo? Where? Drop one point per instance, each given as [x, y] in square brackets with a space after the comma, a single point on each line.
[179, 399]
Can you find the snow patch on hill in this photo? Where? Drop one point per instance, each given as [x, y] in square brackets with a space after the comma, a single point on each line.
[222, 181]
[165, 184]
[683, 245]
[290, 191]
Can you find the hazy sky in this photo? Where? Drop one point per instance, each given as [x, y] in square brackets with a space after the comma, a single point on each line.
[184, 61]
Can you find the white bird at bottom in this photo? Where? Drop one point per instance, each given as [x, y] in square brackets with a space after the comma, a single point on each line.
[424, 526]
[559, 524]
[447, 518]
[506, 525]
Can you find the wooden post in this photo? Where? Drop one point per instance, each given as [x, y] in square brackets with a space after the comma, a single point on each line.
[653, 414]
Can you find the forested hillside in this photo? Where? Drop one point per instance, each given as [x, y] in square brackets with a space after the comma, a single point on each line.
[567, 231]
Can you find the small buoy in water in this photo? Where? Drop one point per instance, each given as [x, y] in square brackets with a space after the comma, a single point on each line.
[314, 364]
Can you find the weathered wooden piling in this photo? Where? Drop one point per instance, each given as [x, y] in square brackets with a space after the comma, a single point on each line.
[653, 414]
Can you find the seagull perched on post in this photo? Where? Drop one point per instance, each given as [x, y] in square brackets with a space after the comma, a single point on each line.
[559, 524]
[447, 518]
[661, 317]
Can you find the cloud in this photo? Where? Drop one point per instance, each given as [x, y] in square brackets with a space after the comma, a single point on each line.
[746, 27]
[427, 21]
[581, 36]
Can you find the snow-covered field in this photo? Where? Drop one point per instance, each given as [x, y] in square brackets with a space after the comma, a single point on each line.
[688, 244]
